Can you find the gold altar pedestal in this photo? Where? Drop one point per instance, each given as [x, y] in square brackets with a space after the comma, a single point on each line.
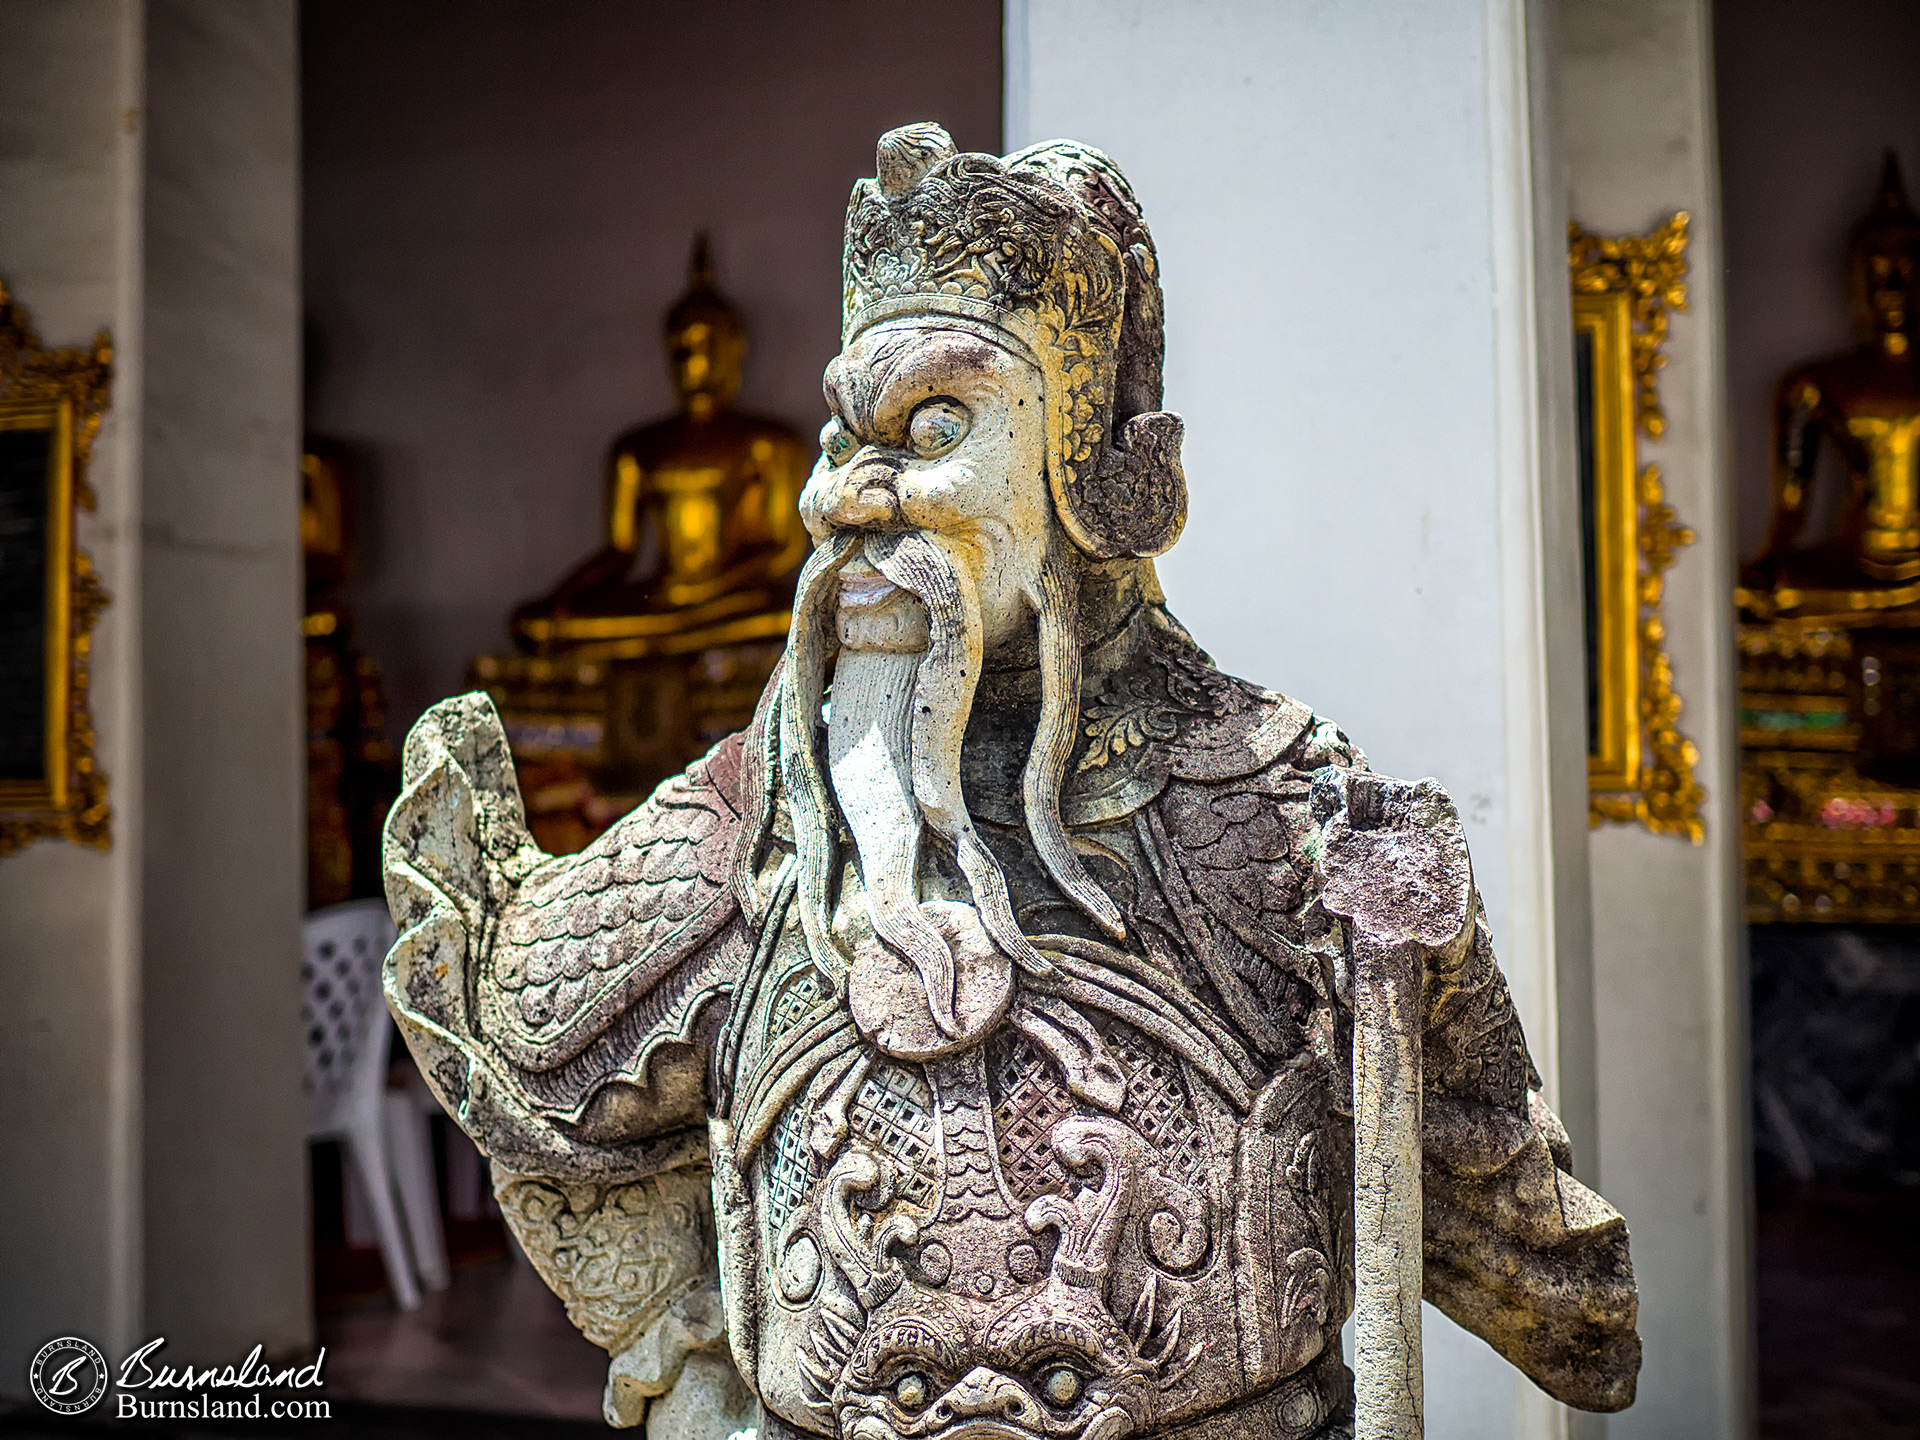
[1827, 737]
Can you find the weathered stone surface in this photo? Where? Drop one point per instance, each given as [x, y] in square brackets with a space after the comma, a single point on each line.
[1023, 1029]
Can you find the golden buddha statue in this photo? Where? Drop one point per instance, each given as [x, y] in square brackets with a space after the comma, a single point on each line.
[1829, 633]
[703, 530]
[1865, 402]
[659, 644]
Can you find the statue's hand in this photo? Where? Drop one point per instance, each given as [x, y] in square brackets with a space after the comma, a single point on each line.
[1393, 859]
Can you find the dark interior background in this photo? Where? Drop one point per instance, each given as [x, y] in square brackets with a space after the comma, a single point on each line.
[500, 199]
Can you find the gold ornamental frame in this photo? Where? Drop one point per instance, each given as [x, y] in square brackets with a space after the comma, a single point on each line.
[62, 394]
[1640, 766]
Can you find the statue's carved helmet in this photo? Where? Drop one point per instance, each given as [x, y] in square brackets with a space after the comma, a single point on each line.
[1048, 247]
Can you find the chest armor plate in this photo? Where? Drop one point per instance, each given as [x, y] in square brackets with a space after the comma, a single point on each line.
[1028, 1238]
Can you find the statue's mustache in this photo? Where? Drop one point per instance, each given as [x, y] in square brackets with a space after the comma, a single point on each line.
[874, 612]
[935, 569]
[865, 589]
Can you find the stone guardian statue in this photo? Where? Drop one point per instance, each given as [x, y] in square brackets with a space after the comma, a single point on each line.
[1022, 1029]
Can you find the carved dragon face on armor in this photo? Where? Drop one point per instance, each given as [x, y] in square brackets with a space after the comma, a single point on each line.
[994, 1357]
[1054, 1363]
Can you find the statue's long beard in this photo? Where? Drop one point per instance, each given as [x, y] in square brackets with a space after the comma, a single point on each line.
[893, 759]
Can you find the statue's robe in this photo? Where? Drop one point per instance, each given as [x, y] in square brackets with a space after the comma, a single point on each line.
[609, 1024]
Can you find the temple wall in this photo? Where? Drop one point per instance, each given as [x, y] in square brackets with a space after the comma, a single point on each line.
[1355, 208]
[225, 710]
[499, 206]
[70, 227]
[152, 1176]
[1638, 117]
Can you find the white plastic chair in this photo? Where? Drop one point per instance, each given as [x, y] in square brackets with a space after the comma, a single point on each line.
[410, 1144]
[347, 1045]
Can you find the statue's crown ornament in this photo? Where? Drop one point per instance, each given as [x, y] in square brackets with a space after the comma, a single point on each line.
[1048, 247]
[1891, 222]
[1890, 204]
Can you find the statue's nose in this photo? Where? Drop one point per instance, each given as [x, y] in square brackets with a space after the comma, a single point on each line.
[982, 1391]
[859, 496]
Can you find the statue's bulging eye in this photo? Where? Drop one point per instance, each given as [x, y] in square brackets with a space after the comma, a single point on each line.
[1060, 1385]
[835, 442]
[912, 1391]
[937, 426]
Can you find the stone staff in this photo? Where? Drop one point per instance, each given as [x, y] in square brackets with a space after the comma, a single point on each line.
[1395, 865]
[1387, 1257]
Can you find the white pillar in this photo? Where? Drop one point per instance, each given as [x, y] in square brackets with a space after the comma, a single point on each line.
[152, 1151]
[1357, 256]
[1637, 110]
[71, 88]
[223, 681]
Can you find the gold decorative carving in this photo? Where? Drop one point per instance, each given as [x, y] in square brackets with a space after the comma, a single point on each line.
[63, 393]
[1640, 763]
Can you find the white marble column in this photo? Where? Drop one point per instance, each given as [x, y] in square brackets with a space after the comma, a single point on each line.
[152, 1153]
[1637, 111]
[71, 80]
[223, 683]
[1361, 232]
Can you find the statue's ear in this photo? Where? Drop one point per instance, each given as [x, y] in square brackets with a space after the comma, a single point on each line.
[1135, 500]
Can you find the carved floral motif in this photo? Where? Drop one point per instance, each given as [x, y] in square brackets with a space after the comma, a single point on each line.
[1149, 701]
[618, 1255]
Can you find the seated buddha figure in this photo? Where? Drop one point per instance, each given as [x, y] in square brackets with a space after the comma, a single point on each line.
[1865, 403]
[703, 527]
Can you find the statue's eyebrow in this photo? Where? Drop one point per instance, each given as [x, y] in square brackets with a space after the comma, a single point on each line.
[900, 383]
[939, 1343]
[839, 385]
[1051, 1336]
[854, 393]
[873, 400]
[889, 386]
